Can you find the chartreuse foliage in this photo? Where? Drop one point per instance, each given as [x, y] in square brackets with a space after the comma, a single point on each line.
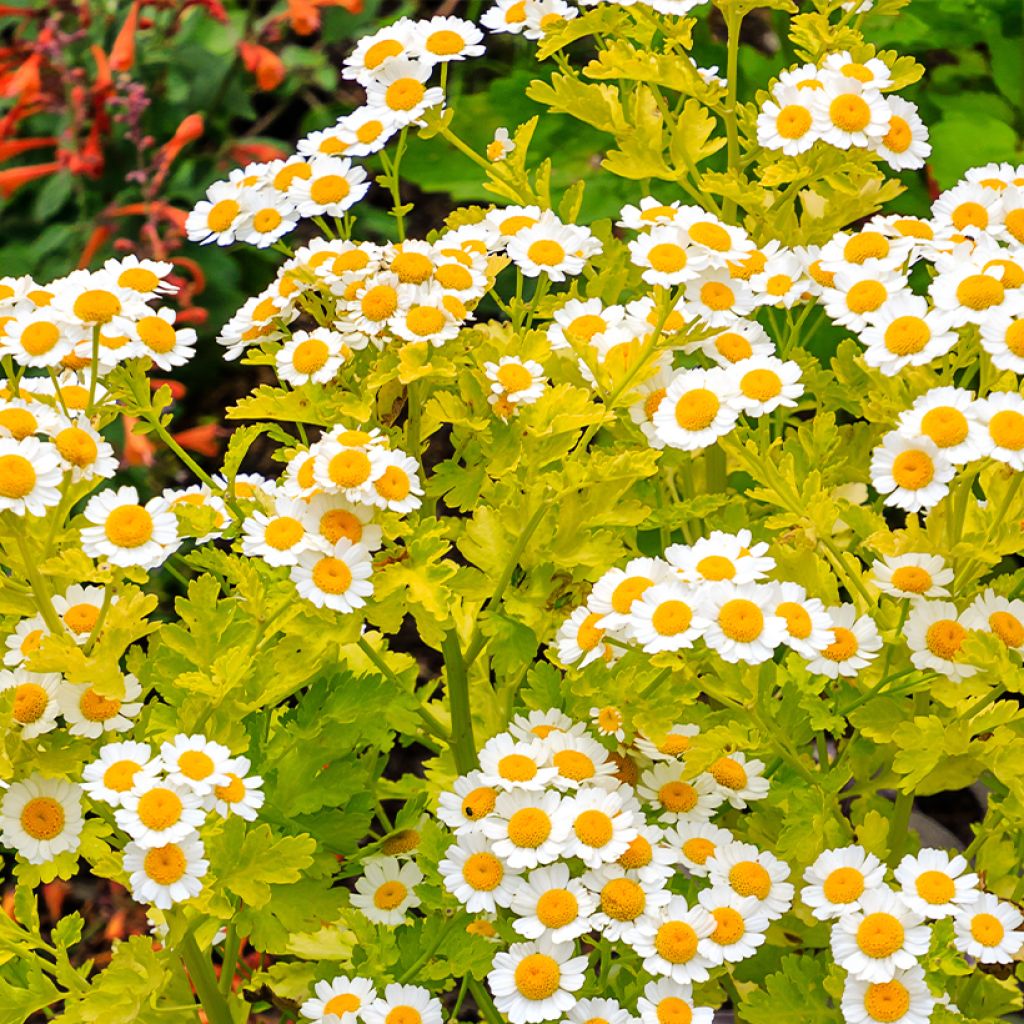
[679, 448]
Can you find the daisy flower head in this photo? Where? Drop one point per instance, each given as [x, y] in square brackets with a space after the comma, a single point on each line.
[400, 90]
[766, 383]
[993, 613]
[1002, 416]
[808, 624]
[855, 643]
[666, 255]
[41, 818]
[617, 591]
[311, 357]
[608, 721]
[154, 812]
[38, 337]
[280, 536]
[650, 213]
[581, 761]
[672, 942]
[167, 874]
[125, 532]
[667, 1002]
[873, 73]
[500, 146]
[935, 883]
[332, 186]
[740, 924]
[969, 208]
[505, 16]
[387, 890]
[536, 981]
[117, 769]
[395, 484]
[527, 828]
[90, 713]
[970, 293]
[742, 627]
[343, 1000]
[28, 634]
[782, 282]
[468, 801]
[672, 746]
[721, 556]
[508, 764]
[911, 473]
[622, 899]
[79, 610]
[375, 51]
[30, 476]
[94, 299]
[914, 575]
[718, 298]
[649, 858]
[720, 242]
[748, 871]
[518, 380]
[742, 340]
[550, 902]
[699, 407]
[599, 1011]
[739, 780]
[366, 130]
[989, 930]
[443, 39]
[336, 577]
[267, 215]
[903, 999]
[20, 418]
[1002, 337]
[34, 706]
[695, 843]
[147, 277]
[552, 248]
[544, 15]
[947, 417]
[408, 1004]
[675, 799]
[82, 450]
[166, 345]
[838, 878]
[787, 121]
[935, 636]
[905, 145]
[867, 247]
[849, 114]
[881, 937]
[906, 331]
[543, 724]
[195, 762]
[666, 617]
[601, 825]
[858, 293]
[479, 879]
[580, 639]
[332, 518]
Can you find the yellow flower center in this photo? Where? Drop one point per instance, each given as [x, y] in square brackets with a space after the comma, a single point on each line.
[195, 764]
[412, 267]
[159, 809]
[866, 296]
[517, 768]
[529, 827]
[987, 929]
[17, 476]
[728, 772]
[332, 575]
[945, 425]
[945, 638]
[233, 792]
[339, 522]
[516, 223]
[546, 253]
[899, 136]
[717, 296]
[445, 43]
[165, 864]
[389, 895]
[667, 258]
[912, 578]
[379, 302]
[403, 1015]
[741, 620]
[76, 446]
[673, 1010]
[778, 284]
[698, 849]
[483, 872]
[858, 72]
[761, 385]
[730, 926]
[97, 306]
[866, 245]
[594, 828]
[81, 618]
[733, 347]
[697, 409]
[291, 172]
[537, 976]
[589, 634]
[637, 855]
[844, 645]
[879, 935]
[980, 291]
[1006, 428]
[676, 942]
[850, 113]
[671, 618]
[710, 235]
[404, 94]
[1007, 627]
[310, 355]
[609, 719]
[331, 188]
[844, 885]
[120, 776]
[748, 878]
[37, 339]
[380, 52]
[970, 215]
[393, 484]
[19, 423]
[339, 1005]
[678, 797]
[571, 764]
[267, 220]
[405, 841]
[622, 899]
[30, 702]
[674, 745]
[886, 1001]
[557, 908]
[935, 887]
[911, 227]
[793, 121]
[96, 708]
[156, 334]
[43, 818]
[452, 276]
[798, 622]
[1014, 222]
[513, 377]
[222, 215]
[913, 470]
[129, 526]
[283, 533]
[349, 468]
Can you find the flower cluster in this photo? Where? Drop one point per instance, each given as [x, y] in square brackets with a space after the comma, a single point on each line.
[573, 839]
[352, 999]
[532, 18]
[844, 103]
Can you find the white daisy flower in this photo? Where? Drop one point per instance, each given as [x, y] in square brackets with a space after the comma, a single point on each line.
[508, 764]
[881, 937]
[695, 843]
[241, 794]
[969, 208]
[117, 768]
[764, 383]
[166, 345]
[786, 121]
[279, 537]
[332, 186]
[311, 357]
[79, 610]
[741, 627]
[82, 451]
[622, 899]
[126, 532]
[549, 902]
[649, 858]
[905, 144]
[740, 924]
[873, 73]
[858, 294]
[947, 417]
[989, 930]
[734, 557]
[387, 890]
[38, 337]
[580, 639]
[1002, 337]
[912, 576]
[675, 799]
[739, 780]
[698, 408]
[536, 981]
[667, 256]
[608, 721]
[195, 763]
[719, 298]
[403, 1004]
[518, 380]
[527, 828]
[552, 248]
[808, 624]
[848, 114]
[542, 724]
[25, 640]
[665, 618]
[993, 613]
[395, 484]
[477, 878]
[581, 761]
[34, 705]
[342, 1000]
[667, 1002]
[41, 818]
[19, 418]
[648, 214]
[743, 339]
[444, 39]
[332, 518]
[969, 293]
[30, 476]
[782, 283]
[217, 217]
[672, 746]
[854, 645]
[721, 242]
[935, 883]
[912, 473]
[904, 999]
[154, 812]
[337, 577]
[672, 942]
[168, 874]
[748, 871]
[838, 878]
[601, 825]
[1002, 415]
[89, 713]
[935, 636]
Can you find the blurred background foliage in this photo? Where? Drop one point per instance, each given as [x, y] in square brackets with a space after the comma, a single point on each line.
[115, 115]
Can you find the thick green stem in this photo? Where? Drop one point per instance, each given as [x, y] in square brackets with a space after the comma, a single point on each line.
[200, 971]
[484, 1002]
[462, 744]
[229, 958]
[413, 409]
[44, 599]
[733, 21]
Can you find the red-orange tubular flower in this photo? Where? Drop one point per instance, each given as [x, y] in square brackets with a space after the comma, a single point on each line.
[263, 64]
[122, 53]
[304, 15]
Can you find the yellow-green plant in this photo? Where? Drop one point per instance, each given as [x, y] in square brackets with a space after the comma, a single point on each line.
[709, 513]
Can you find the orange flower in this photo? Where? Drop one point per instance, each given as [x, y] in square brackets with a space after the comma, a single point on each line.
[304, 15]
[14, 177]
[122, 53]
[264, 64]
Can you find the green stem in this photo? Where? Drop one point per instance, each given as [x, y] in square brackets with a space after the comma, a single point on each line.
[979, 705]
[655, 683]
[484, 1002]
[714, 469]
[822, 744]
[108, 600]
[733, 21]
[413, 408]
[200, 971]
[94, 368]
[44, 599]
[229, 958]
[462, 744]
[409, 975]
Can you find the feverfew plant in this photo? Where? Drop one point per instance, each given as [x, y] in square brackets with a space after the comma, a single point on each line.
[587, 621]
